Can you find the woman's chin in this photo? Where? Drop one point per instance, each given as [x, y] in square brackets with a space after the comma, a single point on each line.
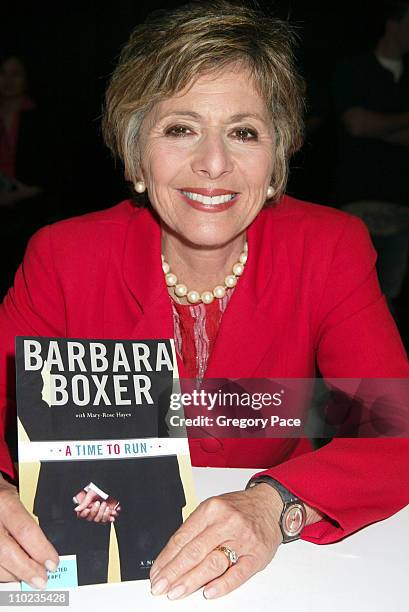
[207, 241]
[201, 237]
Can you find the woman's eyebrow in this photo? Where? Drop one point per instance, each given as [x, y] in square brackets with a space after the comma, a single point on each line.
[231, 119]
[241, 116]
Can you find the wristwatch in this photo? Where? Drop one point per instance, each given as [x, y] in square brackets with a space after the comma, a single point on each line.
[293, 516]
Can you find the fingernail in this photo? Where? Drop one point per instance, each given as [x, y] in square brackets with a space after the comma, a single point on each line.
[158, 588]
[210, 593]
[177, 592]
[38, 583]
[50, 565]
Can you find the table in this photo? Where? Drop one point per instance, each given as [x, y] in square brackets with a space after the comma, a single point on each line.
[367, 572]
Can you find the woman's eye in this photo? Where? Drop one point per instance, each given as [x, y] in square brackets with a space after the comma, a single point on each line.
[245, 134]
[178, 130]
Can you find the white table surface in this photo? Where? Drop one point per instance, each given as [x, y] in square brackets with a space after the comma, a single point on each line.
[367, 572]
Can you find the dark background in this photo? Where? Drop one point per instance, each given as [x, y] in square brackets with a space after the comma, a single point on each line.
[70, 51]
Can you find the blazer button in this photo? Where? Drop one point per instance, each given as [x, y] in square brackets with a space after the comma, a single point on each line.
[211, 445]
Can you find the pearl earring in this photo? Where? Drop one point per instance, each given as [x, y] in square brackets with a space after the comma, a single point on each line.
[140, 186]
[270, 192]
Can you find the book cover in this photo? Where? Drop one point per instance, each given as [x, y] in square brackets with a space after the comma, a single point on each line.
[93, 420]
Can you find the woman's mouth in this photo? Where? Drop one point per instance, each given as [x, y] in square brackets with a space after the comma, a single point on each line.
[221, 200]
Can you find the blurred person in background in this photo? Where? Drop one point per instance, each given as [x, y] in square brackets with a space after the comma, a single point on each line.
[372, 103]
[26, 173]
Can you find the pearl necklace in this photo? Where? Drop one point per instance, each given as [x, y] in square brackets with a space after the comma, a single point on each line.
[207, 297]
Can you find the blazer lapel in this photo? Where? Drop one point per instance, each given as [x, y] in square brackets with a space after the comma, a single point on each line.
[143, 275]
[247, 329]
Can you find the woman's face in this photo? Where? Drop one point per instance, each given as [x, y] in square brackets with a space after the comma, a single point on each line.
[208, 157]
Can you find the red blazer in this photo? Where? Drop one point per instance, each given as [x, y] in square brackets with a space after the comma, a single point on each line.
[309, 295]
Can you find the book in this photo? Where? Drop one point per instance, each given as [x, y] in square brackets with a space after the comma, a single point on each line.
[93, 428]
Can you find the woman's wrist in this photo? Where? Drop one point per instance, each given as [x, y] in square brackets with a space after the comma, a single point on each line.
[273, 500]
[270, 499]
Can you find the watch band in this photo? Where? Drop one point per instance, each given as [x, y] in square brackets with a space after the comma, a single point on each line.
[293, 516]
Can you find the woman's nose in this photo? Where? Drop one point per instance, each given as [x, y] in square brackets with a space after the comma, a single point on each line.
[212, 157]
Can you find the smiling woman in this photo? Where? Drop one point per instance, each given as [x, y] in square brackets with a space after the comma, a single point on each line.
[205, 110]
[206, 128]
[166, 55]
[210, 164]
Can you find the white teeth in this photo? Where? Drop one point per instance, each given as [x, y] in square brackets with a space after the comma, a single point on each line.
[208, 199]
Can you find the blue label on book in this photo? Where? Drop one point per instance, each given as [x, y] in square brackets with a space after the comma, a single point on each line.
[64, 577]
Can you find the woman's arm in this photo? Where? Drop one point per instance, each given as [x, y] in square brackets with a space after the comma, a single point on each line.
[33, 307]
[25, 552]
[352, 481]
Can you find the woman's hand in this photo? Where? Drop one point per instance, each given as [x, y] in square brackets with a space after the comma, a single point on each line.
[25, 552]
[92, 509]
[245, 521]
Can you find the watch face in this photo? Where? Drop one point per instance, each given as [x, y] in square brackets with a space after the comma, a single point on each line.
[293, 520]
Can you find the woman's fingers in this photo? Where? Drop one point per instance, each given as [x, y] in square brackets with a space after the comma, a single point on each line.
[187, 532]
[30, 540]
[15, 561]
[215, 573]
[245, 521]
[94, 511]
[105, 515]
[87, 500]
[6, 576]
[233, 578]
[77, 499]
[84, 513]
[97, 512]
[192, 554]
[214, 565]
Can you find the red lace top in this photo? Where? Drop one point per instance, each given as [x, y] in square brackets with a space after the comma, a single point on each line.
[195, 332]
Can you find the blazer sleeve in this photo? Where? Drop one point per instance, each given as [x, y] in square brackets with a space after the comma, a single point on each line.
[34, 306]
[353, 481]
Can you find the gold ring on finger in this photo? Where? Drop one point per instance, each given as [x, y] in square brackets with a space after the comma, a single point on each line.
[231, 555]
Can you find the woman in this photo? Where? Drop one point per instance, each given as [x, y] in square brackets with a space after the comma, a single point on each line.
[204, 109]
